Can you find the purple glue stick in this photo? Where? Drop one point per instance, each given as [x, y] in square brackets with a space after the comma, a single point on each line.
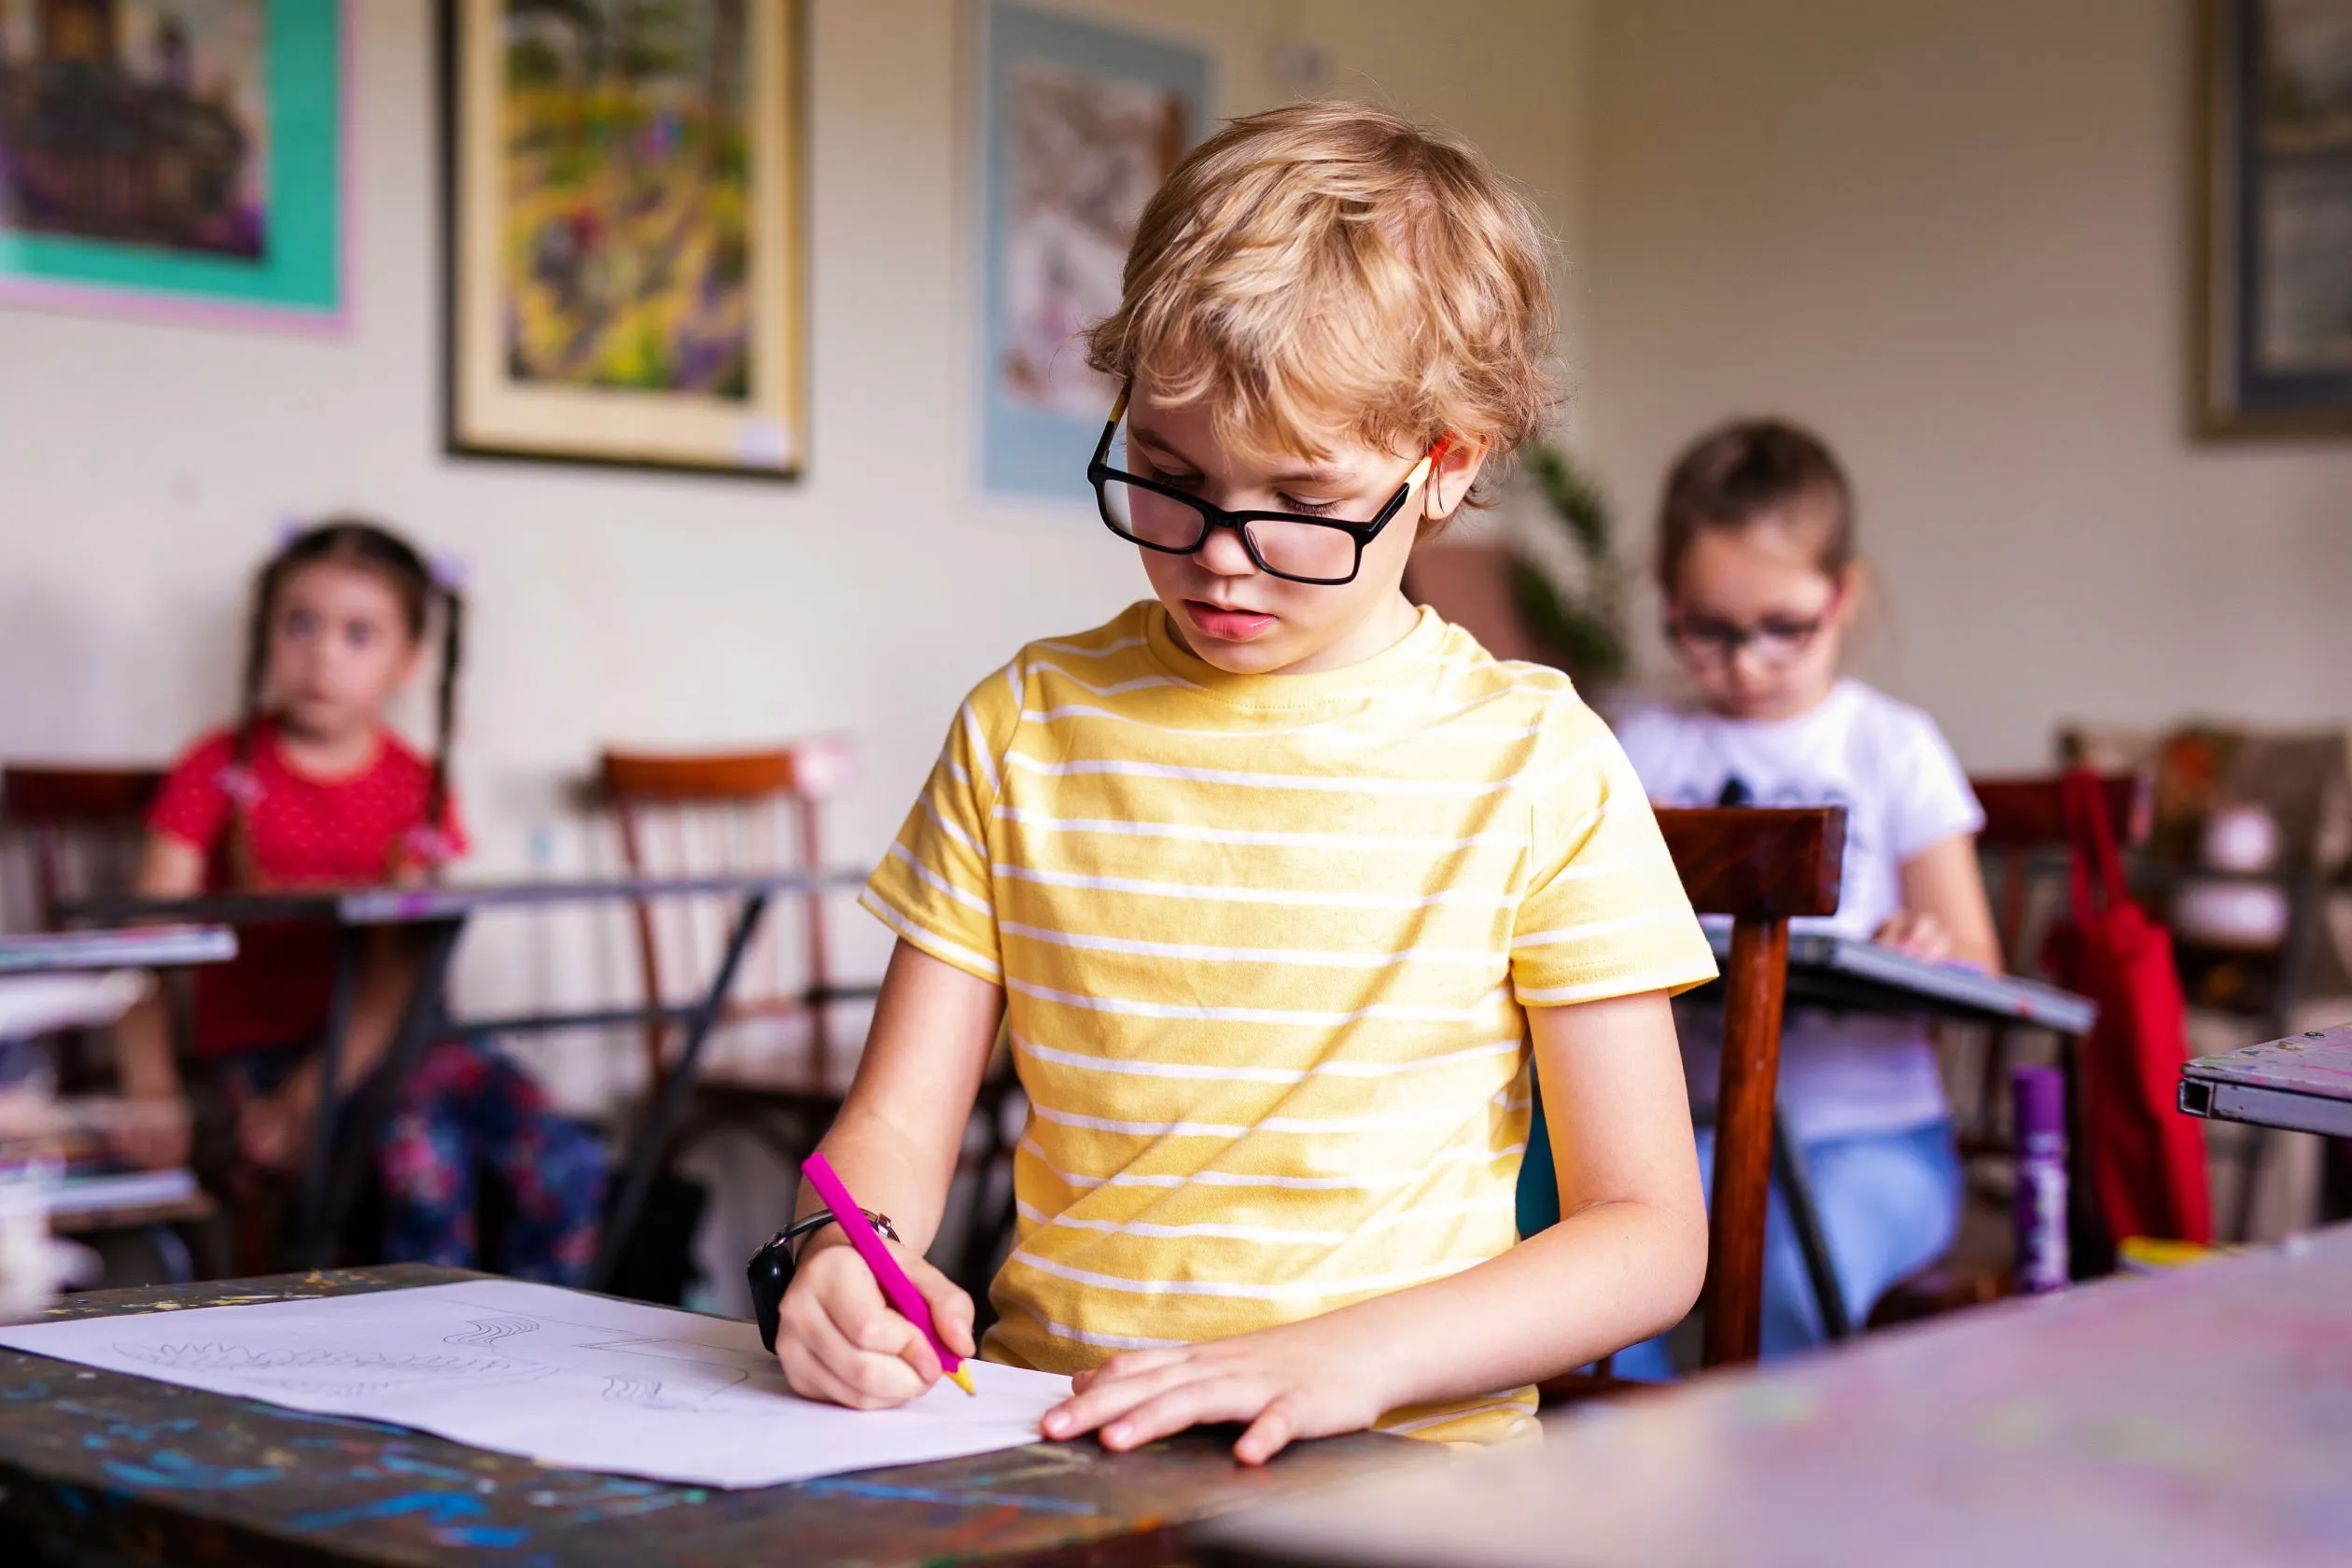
[2038, 1096]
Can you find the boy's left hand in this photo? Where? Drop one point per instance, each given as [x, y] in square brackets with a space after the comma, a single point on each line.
[1296, 1381]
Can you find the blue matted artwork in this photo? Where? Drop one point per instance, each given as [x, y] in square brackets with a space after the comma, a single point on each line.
[1081, 123]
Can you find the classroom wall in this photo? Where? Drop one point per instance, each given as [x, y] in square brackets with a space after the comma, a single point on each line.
[144, 469]
[1956, 236]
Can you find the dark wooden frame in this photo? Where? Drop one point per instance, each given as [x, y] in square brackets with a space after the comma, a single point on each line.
[802, 304]
[2228, 74]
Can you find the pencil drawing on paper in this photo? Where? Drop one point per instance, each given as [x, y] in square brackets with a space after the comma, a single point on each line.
[330, 1371]
[561, 1377]
[691, 1375]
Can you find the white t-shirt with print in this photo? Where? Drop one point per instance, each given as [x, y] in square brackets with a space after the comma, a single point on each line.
[1842, 1074]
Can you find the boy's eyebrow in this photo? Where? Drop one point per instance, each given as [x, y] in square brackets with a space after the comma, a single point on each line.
[1315, 474]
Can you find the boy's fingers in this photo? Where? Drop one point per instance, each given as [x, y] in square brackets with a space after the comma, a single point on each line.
[1105, 1400]
[867, 1380]
[1186, 1404]
[1267, 1435]
[950, 1307]
[868, 1326]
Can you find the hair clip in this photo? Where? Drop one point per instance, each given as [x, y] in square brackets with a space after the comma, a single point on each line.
[239, 783]
[448, 571]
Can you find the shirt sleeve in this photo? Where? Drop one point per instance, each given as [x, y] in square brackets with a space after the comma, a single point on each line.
[1931, 797]
[935, 887]
[1604, 914]
[193, 804]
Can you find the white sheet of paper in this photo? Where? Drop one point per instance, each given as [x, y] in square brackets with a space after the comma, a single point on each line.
[568, 1380]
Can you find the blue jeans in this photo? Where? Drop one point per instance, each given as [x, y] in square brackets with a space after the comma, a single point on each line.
[1889, 1204]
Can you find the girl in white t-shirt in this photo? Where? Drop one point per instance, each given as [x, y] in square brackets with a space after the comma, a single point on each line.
[1755, 561]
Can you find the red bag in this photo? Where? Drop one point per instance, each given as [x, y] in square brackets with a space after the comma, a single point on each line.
[2147, 1160]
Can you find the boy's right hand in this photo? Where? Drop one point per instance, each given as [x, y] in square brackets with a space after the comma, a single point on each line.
[839, 1340]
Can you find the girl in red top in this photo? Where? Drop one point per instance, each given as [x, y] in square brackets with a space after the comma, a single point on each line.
[313, 786]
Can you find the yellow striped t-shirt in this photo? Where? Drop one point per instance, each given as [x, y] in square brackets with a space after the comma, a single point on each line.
[1266, 942]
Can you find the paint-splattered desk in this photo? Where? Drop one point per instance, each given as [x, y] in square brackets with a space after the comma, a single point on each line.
[94, 1466]
[2198, 1417]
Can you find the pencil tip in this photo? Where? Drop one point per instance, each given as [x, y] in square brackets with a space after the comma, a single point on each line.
[962, 1380]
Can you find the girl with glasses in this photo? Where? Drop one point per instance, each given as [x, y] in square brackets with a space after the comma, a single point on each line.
[1755, 561]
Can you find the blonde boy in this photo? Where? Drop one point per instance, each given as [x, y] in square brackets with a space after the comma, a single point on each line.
[1279, 881]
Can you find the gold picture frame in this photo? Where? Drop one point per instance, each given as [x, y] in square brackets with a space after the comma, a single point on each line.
[624, 246]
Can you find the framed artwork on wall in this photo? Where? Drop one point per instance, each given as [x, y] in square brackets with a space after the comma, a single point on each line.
[1080, 123]
[2276, 344]
[625, 265]
[177, 160]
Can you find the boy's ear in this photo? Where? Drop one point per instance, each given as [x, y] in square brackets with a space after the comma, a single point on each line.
[1451, 476]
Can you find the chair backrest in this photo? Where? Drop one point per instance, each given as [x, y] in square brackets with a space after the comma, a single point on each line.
[80, 829]
[1762, 868]
[737, 811]
[2025, 817]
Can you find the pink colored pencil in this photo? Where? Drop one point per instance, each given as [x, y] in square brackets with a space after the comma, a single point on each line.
[887, 1273]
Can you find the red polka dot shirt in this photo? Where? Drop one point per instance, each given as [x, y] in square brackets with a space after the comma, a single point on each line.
[361, 829]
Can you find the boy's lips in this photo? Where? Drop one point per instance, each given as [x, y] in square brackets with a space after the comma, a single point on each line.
[1227, 625]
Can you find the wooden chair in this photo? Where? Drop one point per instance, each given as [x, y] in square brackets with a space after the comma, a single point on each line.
[1762, 867]
[733, 812]
[782, 1075]
[2023, 843]
[81, 828]
[81, 832]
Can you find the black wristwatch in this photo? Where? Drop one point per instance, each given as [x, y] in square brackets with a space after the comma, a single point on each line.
[770, 1270]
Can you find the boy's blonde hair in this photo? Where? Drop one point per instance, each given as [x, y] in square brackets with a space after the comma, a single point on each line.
[1334, 266]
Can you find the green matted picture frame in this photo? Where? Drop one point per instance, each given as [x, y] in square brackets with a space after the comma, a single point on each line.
[625, 266]
[2274, 295]
[184, 161]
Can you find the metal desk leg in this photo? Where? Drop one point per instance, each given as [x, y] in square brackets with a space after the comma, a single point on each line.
[371, 1102]
[653, 1135]
[311, 1204]
[1796, 1185]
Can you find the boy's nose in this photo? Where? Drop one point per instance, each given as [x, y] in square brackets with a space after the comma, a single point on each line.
[1224, 553]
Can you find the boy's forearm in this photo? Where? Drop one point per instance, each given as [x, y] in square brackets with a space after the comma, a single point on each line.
[886, 1171]
[1606, 1277]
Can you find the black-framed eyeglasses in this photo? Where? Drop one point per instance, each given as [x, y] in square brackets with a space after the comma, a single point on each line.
[1326, 552]
[1778, 639]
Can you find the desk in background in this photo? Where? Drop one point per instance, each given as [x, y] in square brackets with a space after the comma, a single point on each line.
[69, 979]
[1847, 974]
[105, 1464]
[438, 914]
[85, 952]
[2301, 1083]
[2200, 1416]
